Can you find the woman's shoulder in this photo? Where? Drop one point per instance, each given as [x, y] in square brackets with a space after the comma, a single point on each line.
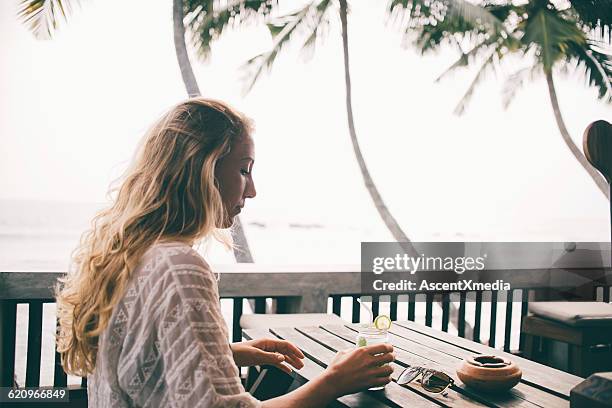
[173, 255]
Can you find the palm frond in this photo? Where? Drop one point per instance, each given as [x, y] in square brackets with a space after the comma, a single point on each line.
[479, 16]
[596, 67]
[467, 57]
[206, 20]
[502, 11]
[43, 17]
[428, 24]
[415, 9]
[283, 33]
[311, 20]
[318, 28]
[423, 23]
[487, 65]
[552, 35]
[517, 81]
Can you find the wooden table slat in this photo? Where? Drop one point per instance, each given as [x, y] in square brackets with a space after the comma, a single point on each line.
[451, 398]
[393, 394]
[559, 382]
[312, 369]
[439, 362]
[522, 395]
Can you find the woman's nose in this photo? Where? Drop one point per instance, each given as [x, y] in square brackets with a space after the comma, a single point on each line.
[250, 191]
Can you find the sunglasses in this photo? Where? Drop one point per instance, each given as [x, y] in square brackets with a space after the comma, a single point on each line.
[433, 380]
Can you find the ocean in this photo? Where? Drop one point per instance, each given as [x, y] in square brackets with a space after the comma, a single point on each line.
[41, 235]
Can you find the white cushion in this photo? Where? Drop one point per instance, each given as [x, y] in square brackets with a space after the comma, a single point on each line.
[264, 321]
[575, 313]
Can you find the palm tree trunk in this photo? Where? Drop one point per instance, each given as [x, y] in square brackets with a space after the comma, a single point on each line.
[597, 178]
[389, 220]
[242, 252]
[383, 211]
[191, 84]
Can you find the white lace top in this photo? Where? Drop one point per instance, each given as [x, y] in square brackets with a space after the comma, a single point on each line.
[166, 344]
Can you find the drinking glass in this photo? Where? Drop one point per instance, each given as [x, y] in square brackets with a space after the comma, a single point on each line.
[369, 335]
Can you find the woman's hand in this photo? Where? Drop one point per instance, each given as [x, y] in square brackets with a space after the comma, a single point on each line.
[267, 351]
[350, 371]
[361, 368]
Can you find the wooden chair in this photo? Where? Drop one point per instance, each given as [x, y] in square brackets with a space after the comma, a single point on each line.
[574, 337]
[583, 328]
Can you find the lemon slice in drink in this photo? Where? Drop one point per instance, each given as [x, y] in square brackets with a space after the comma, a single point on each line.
[382, 322]
[361, 342]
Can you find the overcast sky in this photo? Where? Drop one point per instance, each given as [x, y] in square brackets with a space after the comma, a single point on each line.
[72, 110]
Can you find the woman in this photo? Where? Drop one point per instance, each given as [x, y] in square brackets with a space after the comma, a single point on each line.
[140, 312]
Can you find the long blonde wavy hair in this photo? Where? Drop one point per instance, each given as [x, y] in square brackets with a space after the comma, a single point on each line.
[169, 193]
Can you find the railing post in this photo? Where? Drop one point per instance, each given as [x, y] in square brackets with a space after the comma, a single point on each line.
[356, 310]
[477, 317]
[237, 314]
[35, 324]
[337, 304]
[8, 320]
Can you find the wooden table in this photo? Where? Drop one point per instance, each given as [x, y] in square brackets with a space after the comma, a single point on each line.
[541, 386]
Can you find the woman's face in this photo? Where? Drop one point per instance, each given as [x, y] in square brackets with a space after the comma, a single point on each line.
[233, 173]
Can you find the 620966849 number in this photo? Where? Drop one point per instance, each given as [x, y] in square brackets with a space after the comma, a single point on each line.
[34, 394]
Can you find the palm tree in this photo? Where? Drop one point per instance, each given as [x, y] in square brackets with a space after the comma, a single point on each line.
[43, 17]
[380, 205]
[310, 22]
[551, 37]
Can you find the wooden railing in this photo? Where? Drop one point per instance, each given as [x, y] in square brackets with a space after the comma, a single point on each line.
[280, 289]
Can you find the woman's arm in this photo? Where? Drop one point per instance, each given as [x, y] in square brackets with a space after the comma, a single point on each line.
[269, 351]
[349, 372]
